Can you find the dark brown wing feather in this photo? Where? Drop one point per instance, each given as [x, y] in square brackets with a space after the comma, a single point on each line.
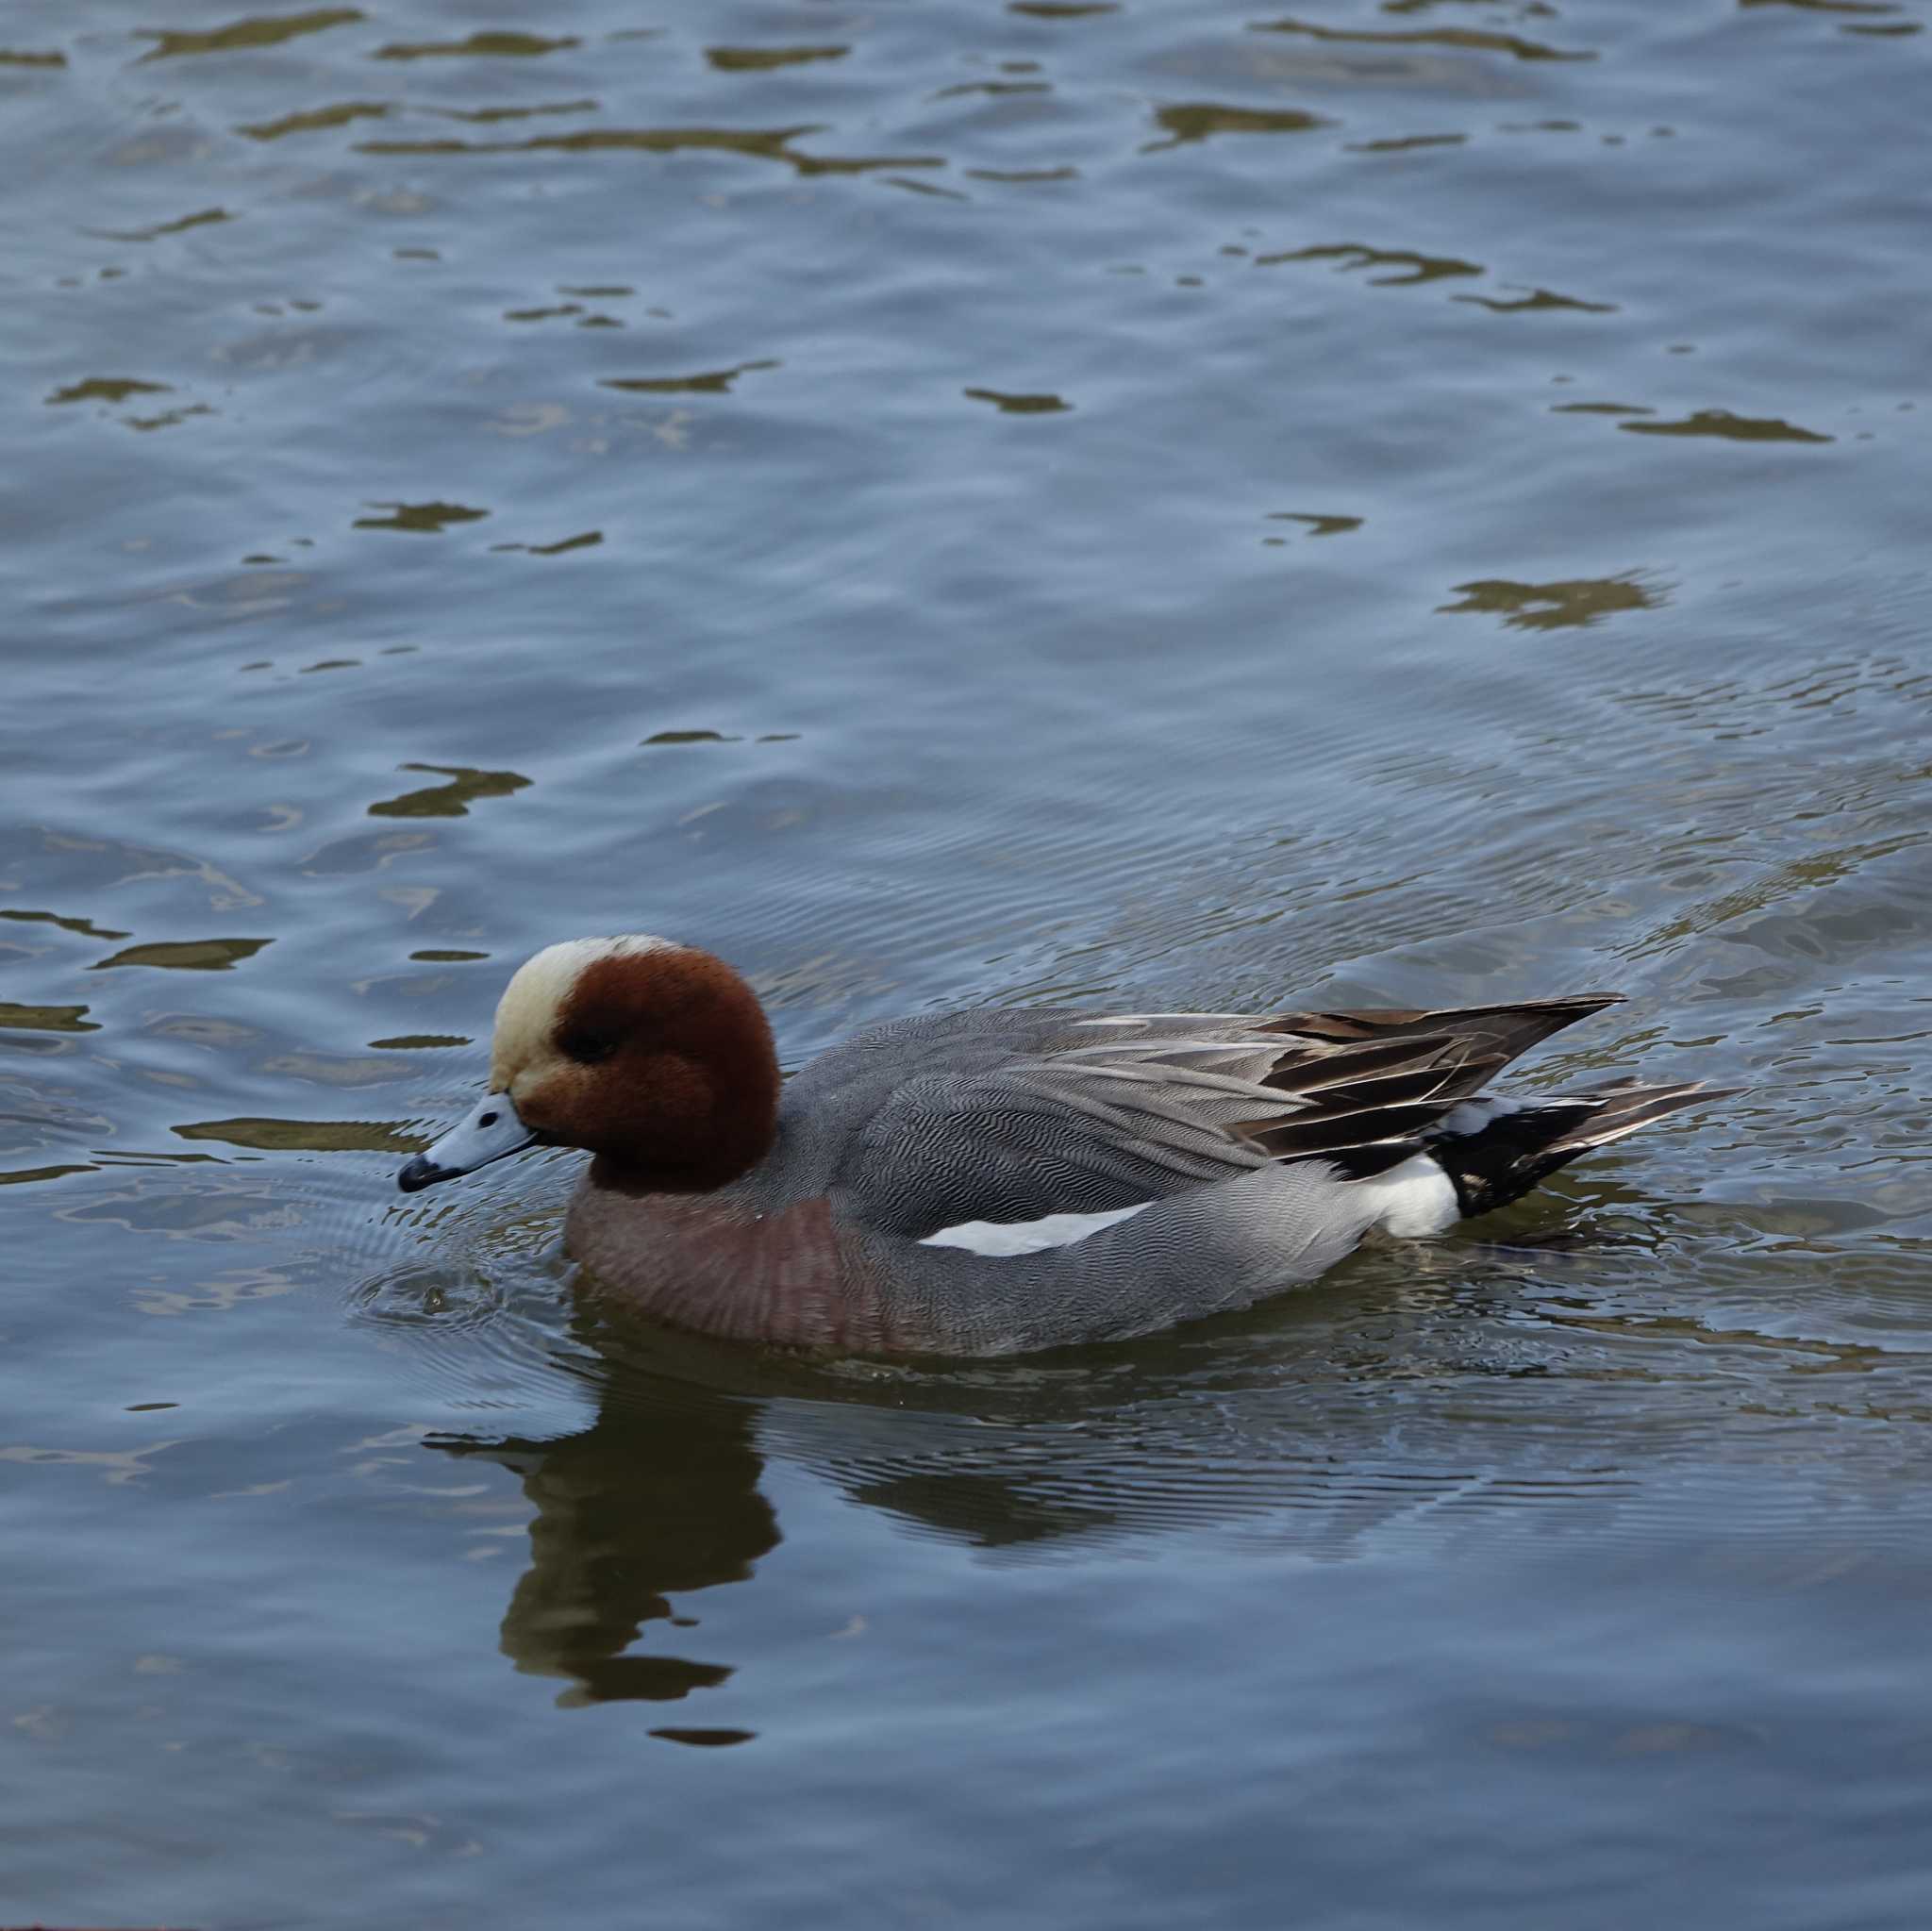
[1376, 1080]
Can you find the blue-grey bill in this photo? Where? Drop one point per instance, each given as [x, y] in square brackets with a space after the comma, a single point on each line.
[491, 1130]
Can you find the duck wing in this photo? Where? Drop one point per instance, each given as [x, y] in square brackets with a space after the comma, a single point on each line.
[1079, 1115]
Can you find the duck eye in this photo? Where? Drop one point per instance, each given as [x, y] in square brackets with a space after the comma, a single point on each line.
[588, 1048]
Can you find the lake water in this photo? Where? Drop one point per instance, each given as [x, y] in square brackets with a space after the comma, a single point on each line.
[1162, 503]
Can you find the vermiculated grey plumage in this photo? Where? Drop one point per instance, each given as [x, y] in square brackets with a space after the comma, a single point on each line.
[1253, 1153]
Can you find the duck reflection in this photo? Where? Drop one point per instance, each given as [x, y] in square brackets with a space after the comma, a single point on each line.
[644, 1504]
[659, 1497]
[1329, 1427]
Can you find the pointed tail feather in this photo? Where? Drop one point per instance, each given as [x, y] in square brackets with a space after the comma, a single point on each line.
[1510, 1029]
[1494, 1151]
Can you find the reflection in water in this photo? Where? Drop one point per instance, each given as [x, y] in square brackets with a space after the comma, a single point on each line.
[1197, 120]
[202, 217]
[1014, 404]
[584, 540]
[1829, 5]
[485, 116]
[1318, 525]
[422, 519]
[716, 382]
[1402, 143]
[649, 1502]
[1352, 255]
[1427, 1392]
[247, 34]
[1022, 175]
[1722, 422]
[489, 45]
[86, 927]
[1537, 298]
[1576, 600]
[757, 59]
[46, 1019]
[188, 954]
[772, 145]
[453, 800]
[1475, 38]
[108, 388]
[314, 120]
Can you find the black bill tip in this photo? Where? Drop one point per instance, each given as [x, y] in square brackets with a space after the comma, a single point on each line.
[421, 1172]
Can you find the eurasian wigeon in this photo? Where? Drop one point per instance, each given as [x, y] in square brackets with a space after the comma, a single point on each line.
[990, 1182]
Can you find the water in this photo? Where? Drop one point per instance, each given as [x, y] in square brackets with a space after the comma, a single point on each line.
[1177, 505]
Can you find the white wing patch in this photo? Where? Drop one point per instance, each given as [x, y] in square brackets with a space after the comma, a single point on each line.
[1413, 1199]
[1029, 1236]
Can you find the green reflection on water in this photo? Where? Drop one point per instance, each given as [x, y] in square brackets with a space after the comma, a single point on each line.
[86, 927]
[1354, 255]
[187, 955]
[755, 60]
[1722, 422]
[1019, 404]
[1574, 602]
[453, 800]
[1197, 120]
[419, 519]
[715, 382]
[487, 115]
[313, 120]
[107, 388]
[1829, 6]
[1318, 525]
[202, 218]
[268, 31]
[46, 1019]
[1402, 143]
[490, 44]
[1537, 298]
[1476, 39]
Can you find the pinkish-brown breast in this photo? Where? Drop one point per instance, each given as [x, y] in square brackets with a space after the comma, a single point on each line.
[793, 1277]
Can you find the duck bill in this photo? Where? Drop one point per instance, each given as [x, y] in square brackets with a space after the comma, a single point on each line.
[491, 1131]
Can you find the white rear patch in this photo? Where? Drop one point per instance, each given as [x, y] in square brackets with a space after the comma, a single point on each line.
[1029, 1236]
[1472, 1116]
[1413, 1199]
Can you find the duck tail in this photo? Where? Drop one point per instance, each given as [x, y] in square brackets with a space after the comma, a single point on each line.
[1496, 1150]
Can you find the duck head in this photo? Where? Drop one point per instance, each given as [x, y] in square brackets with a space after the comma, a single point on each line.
[655, 1056]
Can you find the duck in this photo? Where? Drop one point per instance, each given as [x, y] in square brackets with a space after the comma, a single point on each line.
[993, 1182]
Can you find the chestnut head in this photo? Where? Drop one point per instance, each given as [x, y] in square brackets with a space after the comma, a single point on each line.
[655, 1056]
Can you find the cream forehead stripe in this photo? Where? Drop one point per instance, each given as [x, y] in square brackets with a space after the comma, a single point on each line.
[527, 1013]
